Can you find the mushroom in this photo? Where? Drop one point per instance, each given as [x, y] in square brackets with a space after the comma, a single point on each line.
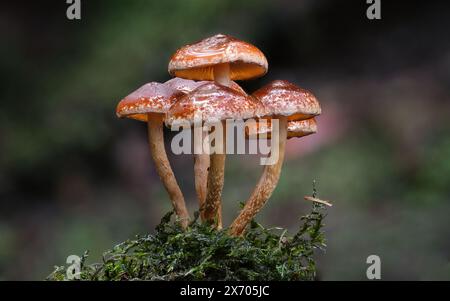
[201, 159]
[295, 129]
[301, 128]
[213, 102]
[221, 58]
[150, 103]
[287, 103]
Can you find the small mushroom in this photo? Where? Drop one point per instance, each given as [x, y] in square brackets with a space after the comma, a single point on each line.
[201, 160]
[150, 103]
[221, 58]
[301, 128]
[213, 102]
[287, 103]
[295, 129]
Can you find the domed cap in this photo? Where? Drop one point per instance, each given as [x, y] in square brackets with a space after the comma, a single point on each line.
[150, 98]
[296, 129]
[281, 97]
[196, 61]
[213, 102]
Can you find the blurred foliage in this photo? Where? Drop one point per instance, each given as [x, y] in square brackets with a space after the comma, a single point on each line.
[75, 95]
[67, 182]
[203, 253]
[433, 179]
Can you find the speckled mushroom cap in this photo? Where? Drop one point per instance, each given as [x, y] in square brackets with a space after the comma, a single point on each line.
[212, 102]
[301, 128]
[281, 97]
[296, 129]
[196, 61]
[187, 85]
[150, 98]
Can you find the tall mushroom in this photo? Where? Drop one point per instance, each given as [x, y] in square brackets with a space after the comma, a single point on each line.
[286, 102]
[221, 58]
[213, 102]
[150, 103]
[201, 159]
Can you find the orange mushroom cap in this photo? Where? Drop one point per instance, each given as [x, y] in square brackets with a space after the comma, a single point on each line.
[196, 61]
[150, 98]
[296, 129]
[301, 128]
[213, 102]
[281, 97]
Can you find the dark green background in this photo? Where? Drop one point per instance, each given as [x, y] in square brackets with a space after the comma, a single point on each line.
[73, 177]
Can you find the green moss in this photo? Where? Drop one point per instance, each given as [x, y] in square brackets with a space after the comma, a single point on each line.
[202, 253]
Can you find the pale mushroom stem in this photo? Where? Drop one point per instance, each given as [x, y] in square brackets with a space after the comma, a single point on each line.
[163, 168]
[216, 176]
[265, 187]
[201, 166]
[213, 204]
[222, 74]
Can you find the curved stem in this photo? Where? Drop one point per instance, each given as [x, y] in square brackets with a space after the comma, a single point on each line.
[265, 187]
[162, 164]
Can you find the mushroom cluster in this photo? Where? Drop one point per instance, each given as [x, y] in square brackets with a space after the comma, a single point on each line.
[202, 92]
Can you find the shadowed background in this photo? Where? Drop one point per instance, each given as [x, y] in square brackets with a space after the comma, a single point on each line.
[73, 177]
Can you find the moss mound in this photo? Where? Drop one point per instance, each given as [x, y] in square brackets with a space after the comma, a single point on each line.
[202, 253]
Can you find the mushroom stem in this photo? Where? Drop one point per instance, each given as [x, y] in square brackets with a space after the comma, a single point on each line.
[215, 185]
[213, 204]
[222, 74]
[266, 185]
[201, 166]
[219, 217]
[162, 164]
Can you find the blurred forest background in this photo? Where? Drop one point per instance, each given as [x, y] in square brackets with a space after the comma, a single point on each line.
[73, 177]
